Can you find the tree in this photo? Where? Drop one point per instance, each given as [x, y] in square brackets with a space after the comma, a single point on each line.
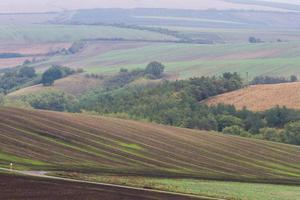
[28, 72]
[254, 40]
[294, 78]
[254, 122]
[292, 133]
[55, 72]
[155, 69]
[123, 70]
[278, 117]
[50, 75]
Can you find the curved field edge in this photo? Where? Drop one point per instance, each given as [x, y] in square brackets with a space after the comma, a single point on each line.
[82, 143]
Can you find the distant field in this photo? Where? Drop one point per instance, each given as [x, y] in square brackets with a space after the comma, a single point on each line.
[187, 60]
[30, 50]
[234, 35]
[44, 140]
[262, 97]
[69, 33]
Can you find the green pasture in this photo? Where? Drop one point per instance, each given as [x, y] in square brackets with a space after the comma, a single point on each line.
[70, 33]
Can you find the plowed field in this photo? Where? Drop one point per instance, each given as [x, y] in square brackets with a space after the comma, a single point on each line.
[44, 140]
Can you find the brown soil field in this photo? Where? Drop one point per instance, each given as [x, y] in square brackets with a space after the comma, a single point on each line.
[75, 85]
[14, 187]
[93, 144]
[261, 97]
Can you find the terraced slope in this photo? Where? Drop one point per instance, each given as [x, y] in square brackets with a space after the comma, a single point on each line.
[262, 97]
[49, 140]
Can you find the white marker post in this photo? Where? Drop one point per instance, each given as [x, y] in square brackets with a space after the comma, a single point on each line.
[11, 166]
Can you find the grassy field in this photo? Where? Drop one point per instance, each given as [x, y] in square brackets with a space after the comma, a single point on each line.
[219, 189]
[74, 142]
[70, 33]
[261, 97]
[187, 60]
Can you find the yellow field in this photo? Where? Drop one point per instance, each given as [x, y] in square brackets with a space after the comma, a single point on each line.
[262, 97]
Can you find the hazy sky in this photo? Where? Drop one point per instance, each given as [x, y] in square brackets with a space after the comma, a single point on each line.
[55, 5]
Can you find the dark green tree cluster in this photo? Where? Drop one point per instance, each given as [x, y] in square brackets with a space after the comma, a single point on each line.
[273, 80]
[53, 100]
[175, 103]
[155, 70]
[54, 73]
[16, 78]
[178, 104]
[254, 40]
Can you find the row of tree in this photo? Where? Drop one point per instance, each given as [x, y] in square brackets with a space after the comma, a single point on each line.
[273, 80]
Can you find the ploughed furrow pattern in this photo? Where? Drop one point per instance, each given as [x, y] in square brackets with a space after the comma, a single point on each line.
[81, 142]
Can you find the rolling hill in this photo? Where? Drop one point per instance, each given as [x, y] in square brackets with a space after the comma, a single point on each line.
[261, 97]
[76, 85]
[185, 60]
[44, 140]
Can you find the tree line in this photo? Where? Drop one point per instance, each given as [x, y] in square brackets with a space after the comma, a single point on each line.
[176, 103]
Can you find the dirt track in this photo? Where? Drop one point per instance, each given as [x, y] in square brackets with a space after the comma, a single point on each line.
[14, 187]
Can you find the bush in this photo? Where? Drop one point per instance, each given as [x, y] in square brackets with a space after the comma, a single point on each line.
[272, 134]
[292, 133]
[236, 130]
[55, 72]
[293, 78]
[53, 100]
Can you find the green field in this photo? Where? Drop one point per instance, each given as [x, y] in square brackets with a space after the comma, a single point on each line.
[219, 189]
[70, 33]
[237, 35]
[187, 60]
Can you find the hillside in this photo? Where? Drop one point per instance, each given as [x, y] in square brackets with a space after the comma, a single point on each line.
[46, 140]
[262, 97]
[76, 85]
[185, 60]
